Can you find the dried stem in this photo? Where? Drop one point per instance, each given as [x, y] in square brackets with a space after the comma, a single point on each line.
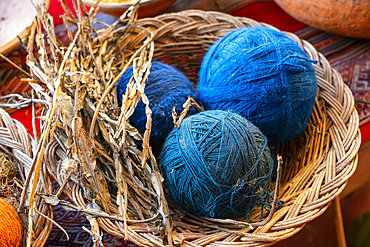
[15, 65]
[276, 195]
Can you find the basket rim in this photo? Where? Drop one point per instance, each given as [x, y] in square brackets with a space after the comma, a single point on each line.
[334, 156]
[332, 91]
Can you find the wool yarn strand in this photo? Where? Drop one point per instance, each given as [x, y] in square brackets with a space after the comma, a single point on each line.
[263, 75]
[165, 88]
[216, 164]
[10, 226]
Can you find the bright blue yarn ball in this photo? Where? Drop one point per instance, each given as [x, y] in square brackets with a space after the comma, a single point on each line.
[216, 164]
[264, 76]
[165, 88]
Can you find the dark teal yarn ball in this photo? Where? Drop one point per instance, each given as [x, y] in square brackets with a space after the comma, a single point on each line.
[216, 164]
[165, 88]
[264, 76]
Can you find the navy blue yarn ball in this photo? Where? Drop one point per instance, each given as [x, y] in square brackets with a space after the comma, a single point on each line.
[165, 88]
[217, 164]
[263, 75]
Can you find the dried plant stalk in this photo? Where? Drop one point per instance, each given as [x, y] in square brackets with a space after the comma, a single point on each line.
[85, 143]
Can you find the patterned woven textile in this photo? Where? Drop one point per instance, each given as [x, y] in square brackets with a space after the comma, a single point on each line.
[351, 58]
[72, 222]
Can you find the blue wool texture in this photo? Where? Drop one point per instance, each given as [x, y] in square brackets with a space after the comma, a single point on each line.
[217, 164]
[165, 88]
[264, 76]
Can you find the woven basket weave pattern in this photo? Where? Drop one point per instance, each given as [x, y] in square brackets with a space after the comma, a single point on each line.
[316, 166]
[14, 137]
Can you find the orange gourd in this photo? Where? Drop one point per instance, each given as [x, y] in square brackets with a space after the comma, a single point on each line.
[344, 17]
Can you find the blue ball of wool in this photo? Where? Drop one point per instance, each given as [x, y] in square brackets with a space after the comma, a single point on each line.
[165, 88]
[217, 164]
[263, 75]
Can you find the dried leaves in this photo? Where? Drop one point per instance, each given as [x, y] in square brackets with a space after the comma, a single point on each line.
[86, 142]
[10, 185]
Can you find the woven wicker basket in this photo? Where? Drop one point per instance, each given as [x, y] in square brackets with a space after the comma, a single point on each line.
[316, 166]
[20, 147]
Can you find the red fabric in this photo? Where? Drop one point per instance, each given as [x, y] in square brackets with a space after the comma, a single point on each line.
[56, 9]
[25, 117]
[365, 133]
[270, 13]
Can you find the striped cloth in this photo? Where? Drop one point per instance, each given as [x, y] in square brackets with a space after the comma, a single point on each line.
[351, 58]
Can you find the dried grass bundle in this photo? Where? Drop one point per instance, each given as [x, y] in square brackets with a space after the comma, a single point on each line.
[85, 142]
